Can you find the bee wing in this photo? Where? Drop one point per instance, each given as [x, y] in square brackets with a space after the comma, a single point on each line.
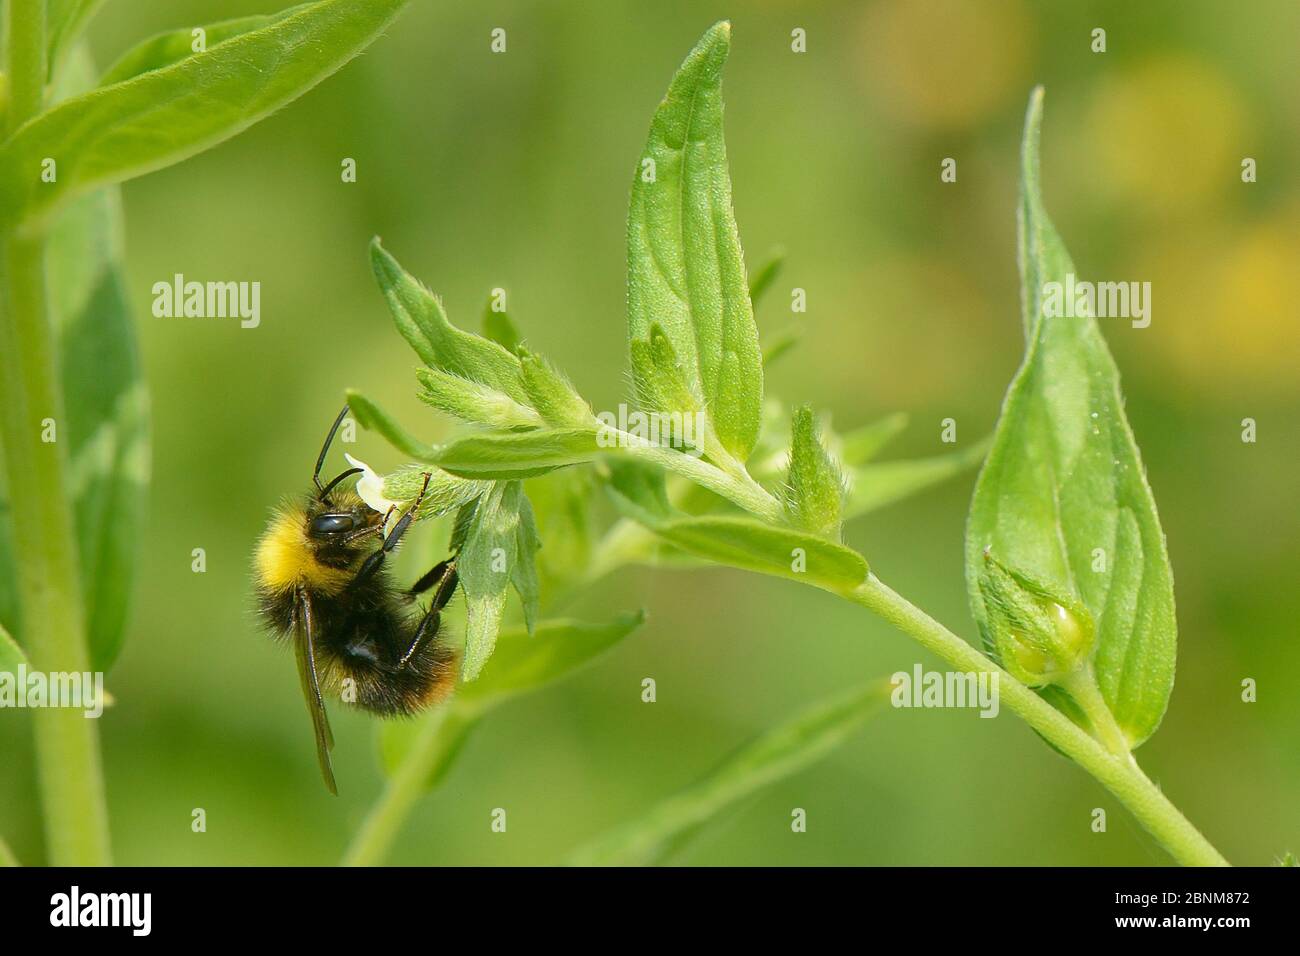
[304, 645]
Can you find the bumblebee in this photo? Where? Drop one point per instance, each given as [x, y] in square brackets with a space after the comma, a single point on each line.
[322, 584]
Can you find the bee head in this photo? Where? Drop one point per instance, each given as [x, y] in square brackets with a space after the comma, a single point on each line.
[337, 526]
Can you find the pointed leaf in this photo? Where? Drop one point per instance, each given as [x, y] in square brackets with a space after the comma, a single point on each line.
[485, 566]
[161, 117]
[421, 320]
[502, 455]
[1063, 495]
[685, 267]
[751, 545]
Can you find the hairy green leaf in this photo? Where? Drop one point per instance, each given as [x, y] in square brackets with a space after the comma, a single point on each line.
[551, 394]
[814, 484]
[443, 494]
[166, 115]
[421, 320]
[1063, 495]
[485, 566]
[473, 402]
[503, 455]
[772, 756]
[751, 545]
[686, 271]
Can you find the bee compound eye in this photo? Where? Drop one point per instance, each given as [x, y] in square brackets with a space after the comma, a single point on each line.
[326, 525]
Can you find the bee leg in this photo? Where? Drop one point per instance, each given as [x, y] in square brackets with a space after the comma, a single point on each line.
[444, 576]
[372, 563]
[423, 634]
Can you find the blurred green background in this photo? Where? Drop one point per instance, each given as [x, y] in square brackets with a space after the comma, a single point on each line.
[484, 170]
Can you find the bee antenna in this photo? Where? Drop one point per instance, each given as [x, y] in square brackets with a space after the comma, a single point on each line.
[324, 450]
[330, 487]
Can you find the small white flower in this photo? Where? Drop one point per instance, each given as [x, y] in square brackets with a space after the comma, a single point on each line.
[370, 487]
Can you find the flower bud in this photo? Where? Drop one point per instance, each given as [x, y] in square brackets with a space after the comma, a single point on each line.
[1038, 634]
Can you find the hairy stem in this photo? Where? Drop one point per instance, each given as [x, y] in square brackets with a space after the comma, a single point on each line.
[1118, 772]
[740, 489]
[49, 588]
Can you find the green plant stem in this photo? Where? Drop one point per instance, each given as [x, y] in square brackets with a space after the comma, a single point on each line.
[49, 587]
[1082, 686]
[740, 489]
[1119, 773]
[25, 27]
[404, 787]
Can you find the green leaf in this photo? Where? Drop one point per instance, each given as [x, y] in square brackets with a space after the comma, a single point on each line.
[875, 486]
[167, 115]
[751, 545]
[660, 380]
[502, 455]
[106, 403]
[443, 494]
[551, 394]
[11, 655]
[485, 566]
[524, 574]
[1063, 495]
[814, 485]
[64, 21]
[772, 756]
[373, 418]
[164, 49]
[522, 664]
[421, 320]
[472, 402]
[685, 267]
